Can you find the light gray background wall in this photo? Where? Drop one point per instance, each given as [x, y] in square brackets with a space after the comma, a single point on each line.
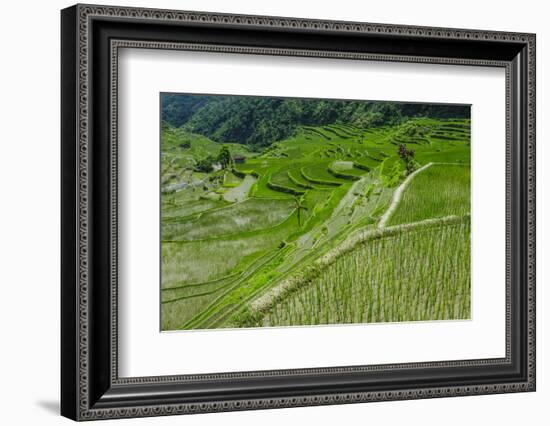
[29, 211]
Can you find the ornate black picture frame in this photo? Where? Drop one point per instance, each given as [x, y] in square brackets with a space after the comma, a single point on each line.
[90, 38]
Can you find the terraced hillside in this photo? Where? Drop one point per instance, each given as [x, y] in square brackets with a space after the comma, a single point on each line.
[321, 227]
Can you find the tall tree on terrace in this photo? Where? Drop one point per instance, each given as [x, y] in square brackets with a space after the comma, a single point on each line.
[407, 155]
[299, 206]
[224, 157]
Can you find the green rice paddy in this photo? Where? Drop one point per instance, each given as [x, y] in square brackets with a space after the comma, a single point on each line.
[413, 275]
[234, 236]
[440, 190]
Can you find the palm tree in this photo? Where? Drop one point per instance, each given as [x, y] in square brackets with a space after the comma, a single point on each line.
[299, 206]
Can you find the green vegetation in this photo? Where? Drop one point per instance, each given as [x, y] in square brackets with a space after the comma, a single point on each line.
[250, 215]
[385, 280]
[440, 190]
[260, 121]
[407, 155]
[244, 218]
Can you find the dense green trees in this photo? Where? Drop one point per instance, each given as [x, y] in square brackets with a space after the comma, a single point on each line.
[206, 165]
[224, 157]
[178, 108]
[260, 121]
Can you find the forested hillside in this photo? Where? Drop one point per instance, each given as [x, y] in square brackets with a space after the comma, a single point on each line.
[259, 121]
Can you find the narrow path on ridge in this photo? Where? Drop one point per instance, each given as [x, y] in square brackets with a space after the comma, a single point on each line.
[397, 195]
[240, 193]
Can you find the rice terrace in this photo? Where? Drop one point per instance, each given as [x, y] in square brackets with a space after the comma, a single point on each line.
[291, 211]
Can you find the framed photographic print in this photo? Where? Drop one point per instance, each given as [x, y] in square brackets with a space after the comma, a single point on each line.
[263, 212]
